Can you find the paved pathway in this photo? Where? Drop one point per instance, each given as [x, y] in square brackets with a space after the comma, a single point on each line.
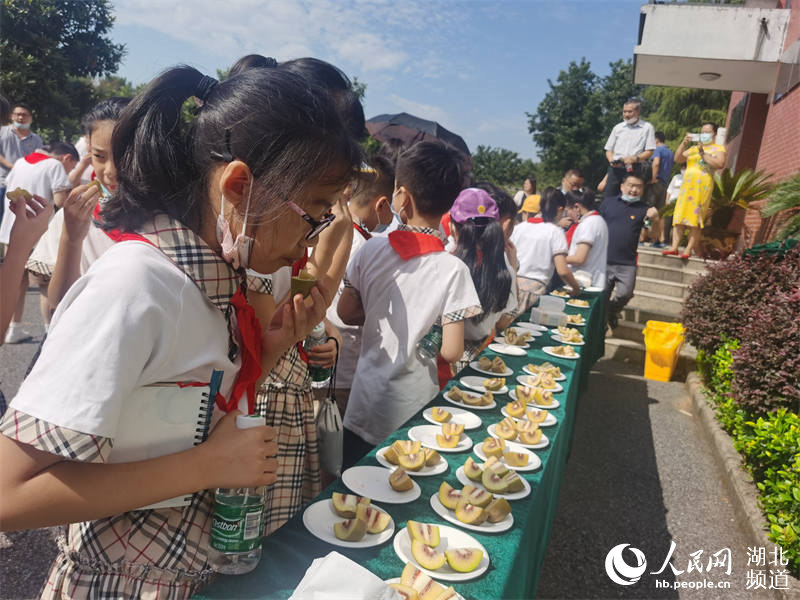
[639, 474]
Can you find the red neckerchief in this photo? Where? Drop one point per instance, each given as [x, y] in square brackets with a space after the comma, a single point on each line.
[409, 244]
[446, 223]
[364, 233]
[36, 157]
[570, 232]
[250, 344]
[535, 220]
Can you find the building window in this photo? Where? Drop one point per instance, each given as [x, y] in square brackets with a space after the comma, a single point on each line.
[737, 117]
[788, 71]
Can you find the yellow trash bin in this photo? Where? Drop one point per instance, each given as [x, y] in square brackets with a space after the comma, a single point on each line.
[663, 342]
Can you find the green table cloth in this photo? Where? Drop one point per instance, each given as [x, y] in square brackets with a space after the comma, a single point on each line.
[516, 555]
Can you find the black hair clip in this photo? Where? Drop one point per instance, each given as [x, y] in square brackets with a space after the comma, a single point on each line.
[227, 156]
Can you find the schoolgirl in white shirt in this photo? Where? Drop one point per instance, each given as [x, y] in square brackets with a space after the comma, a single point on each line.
[589, 245]
[480, 243]
[542, 249]
[247, 184]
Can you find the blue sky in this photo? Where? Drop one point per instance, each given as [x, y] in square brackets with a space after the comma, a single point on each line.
[476, 66]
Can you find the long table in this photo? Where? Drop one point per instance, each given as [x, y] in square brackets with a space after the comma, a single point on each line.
[516, 555]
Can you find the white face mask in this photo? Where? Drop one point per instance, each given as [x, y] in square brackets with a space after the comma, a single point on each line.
[235, 252]
[705, 138]
[631, 121]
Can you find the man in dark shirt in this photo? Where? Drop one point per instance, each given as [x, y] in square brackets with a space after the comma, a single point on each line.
[655, 192]
[624, 215]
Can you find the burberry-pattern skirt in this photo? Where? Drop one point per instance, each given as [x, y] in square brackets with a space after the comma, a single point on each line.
[285, 400]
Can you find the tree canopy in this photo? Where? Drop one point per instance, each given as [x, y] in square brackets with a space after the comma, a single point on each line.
[52, 49]
[501, 167]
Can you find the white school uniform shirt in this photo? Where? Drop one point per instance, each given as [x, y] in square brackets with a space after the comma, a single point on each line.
[479, 328]
[402, 300]
[132, 320]
[45, 253]
[43, 178]
[537, 244]
[351, 334]
[593, 230]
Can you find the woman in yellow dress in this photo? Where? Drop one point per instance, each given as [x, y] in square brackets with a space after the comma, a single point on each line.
[695, 195]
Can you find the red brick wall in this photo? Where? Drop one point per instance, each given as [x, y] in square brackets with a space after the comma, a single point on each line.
[744, 148]
[780, 144]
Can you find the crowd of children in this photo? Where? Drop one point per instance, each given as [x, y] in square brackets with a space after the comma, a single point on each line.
[175, 260]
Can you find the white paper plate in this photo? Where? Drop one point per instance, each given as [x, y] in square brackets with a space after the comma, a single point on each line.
[451, 538]
[439, 467]
[320, 517]
[572, 304]
[446, 396]
[507, 350]
[594, 288]
[485, 527]
[560, 294]
[557, 337]
[373, 482]
[552, 406]
[549, 350]
[561, 377]
[502, 342]
[549, 420]
[474, 382]
[534, 462]
[543, 443]
[398, 579]
[570, 324]
[464, 480]
[524, 379]
[534, 327]
[427, 435]
[474, 365]
[460, 416]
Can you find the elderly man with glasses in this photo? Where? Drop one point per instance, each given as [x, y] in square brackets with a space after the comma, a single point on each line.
[631, 141]
[16, 140]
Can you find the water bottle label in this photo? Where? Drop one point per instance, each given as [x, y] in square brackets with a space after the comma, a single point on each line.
[236, 528]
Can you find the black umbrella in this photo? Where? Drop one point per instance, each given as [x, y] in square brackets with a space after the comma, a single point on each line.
[410, 129]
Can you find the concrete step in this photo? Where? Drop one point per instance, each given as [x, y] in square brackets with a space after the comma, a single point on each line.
[628, 330]
[672, 289]
[653, 302]
[668, 273]
[653, 256]
[632, 352]
[641, 316]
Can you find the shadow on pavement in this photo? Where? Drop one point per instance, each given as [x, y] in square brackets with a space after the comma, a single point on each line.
[610, 495]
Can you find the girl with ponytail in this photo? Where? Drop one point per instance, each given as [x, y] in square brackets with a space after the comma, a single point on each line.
[248, 183]
[480, 243]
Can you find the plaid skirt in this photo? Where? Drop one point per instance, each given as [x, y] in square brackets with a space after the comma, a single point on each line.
[286, 401]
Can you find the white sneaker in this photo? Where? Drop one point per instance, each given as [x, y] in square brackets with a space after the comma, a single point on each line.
[15, 335]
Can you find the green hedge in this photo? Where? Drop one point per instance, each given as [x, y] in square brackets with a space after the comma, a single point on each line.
[770, 446]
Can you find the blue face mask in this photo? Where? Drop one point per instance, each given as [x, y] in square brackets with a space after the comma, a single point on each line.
[630, 199]
[706, 138]
[21, 125]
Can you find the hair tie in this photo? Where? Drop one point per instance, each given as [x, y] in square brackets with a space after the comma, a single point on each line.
[204, 87]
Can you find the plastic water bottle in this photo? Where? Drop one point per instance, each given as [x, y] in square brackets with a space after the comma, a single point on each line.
[428, 347]
[237, 521]
[320, 376]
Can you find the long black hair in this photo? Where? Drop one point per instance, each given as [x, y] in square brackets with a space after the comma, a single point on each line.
[285, 129]
[481, 245]
[552, 200]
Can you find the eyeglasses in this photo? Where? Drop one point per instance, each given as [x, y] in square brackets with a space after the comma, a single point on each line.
[317, 227]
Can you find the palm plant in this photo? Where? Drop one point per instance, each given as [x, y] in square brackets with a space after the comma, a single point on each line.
[732, 190]
[785, 197]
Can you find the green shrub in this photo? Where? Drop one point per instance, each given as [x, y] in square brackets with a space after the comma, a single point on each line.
[771, 447]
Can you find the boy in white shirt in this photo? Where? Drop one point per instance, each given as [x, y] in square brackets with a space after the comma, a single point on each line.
[370, 207]
[398, 288]
[44, 174]
[589, 244]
